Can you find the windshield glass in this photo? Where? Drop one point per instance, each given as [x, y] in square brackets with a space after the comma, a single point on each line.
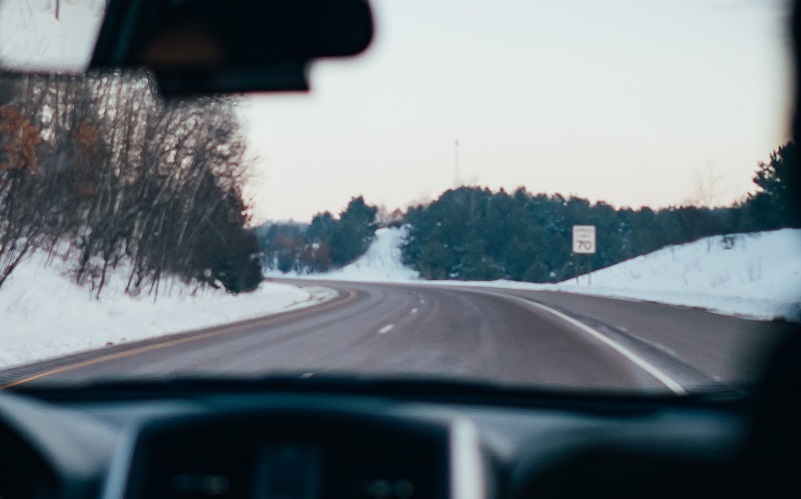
[573, 195]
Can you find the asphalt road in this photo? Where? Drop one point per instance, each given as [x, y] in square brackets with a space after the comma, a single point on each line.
[521, 337]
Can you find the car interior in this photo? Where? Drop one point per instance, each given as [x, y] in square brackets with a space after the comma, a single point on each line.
[359, 436]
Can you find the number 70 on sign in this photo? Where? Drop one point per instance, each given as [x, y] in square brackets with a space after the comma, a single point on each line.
[584, 239]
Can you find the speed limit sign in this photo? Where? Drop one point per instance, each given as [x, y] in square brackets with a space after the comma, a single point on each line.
[584, 239]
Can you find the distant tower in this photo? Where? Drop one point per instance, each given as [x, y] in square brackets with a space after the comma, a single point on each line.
[456, 166]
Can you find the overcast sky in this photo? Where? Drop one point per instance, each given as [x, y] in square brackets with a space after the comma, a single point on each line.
[619, 100]
[615, 100]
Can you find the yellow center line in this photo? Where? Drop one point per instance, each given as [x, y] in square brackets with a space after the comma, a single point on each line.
[188, 339]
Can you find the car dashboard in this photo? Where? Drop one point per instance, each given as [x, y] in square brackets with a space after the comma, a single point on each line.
[156, 441]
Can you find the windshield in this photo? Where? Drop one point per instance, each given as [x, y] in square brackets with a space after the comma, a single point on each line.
[572, 195]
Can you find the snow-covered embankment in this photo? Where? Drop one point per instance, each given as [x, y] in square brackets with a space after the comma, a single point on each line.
[754, 275]
[43, 314]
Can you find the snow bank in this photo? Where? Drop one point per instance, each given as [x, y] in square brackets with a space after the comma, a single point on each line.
[755, 275]
[43, 314]
[381, 262]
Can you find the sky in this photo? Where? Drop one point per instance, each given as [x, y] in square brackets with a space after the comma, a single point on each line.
[624, 101]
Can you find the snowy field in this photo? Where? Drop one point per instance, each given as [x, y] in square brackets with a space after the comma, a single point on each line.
[44, 315]
[750, 275]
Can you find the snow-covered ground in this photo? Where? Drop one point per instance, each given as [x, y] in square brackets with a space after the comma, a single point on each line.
[44, 315]
[381, 262]
[751, 275]
[758, 277]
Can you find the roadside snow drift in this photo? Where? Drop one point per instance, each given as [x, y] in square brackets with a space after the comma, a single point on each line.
[43, 314]
[755, 275]
[382, 262]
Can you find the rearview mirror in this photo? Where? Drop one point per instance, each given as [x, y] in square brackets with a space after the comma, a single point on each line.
[223, 46]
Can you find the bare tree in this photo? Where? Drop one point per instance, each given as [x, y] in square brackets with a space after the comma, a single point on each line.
[708, 188]
[99, 168]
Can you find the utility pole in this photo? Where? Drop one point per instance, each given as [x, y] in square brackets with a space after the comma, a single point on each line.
[456, 166]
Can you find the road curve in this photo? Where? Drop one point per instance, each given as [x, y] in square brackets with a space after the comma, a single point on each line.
[512, 336]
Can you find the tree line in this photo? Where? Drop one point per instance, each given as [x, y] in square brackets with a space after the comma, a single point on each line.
[100, 172]
[327, 242]
[478, 234]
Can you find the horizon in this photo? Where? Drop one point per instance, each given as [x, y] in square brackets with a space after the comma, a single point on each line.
[510, 192]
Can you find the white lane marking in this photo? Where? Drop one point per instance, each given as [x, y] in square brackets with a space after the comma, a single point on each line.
[386, 329]
[414, 310]
[633, 357]
[306, 375]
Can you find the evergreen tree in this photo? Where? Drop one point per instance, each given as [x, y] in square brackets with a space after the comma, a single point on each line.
[353, 233]
[774, 205]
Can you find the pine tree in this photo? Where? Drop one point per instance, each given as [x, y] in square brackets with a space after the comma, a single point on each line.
[774, 205]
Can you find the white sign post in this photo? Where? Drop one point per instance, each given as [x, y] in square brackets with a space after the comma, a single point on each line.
[584, 244]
